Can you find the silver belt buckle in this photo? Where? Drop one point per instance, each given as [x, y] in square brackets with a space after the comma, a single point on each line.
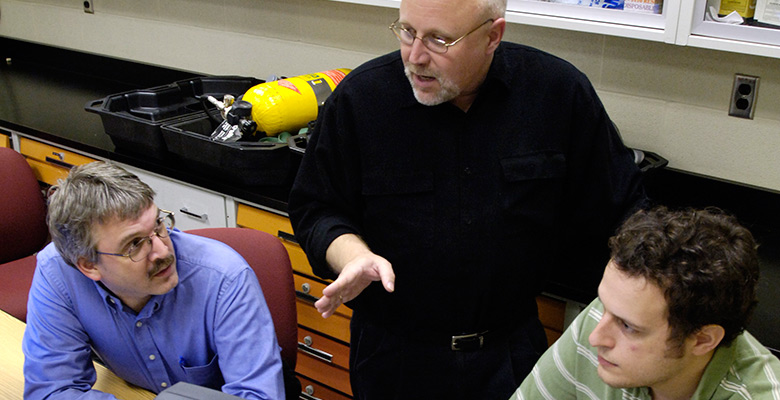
[472, 341]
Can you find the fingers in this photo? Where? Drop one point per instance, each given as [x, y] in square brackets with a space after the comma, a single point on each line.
[326, 306]
[387, 276]
[353, 279]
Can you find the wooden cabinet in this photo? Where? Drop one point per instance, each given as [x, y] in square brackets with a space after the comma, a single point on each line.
[193, 207]
[552, 313]
[50, 163]
[279, 226]
[323, 344]
[5, 140]
[312, 390]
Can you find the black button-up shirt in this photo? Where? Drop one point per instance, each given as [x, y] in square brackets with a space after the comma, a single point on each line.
[474, 210]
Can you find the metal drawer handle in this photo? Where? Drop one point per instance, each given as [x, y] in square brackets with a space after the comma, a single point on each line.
[59, 162]
[316, 353]
[308, 393]
[304, 294]
[202, 217]
[286, 236]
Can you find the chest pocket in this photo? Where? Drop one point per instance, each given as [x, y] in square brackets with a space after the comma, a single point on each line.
[534, 166]
[399, 210]
[208, 375]
[532, 190]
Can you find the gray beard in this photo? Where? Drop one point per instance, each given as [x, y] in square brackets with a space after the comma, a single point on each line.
[447, 92]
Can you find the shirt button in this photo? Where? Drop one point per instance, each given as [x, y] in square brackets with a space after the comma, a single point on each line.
[164, 384]
[152, 357]
[139, 324]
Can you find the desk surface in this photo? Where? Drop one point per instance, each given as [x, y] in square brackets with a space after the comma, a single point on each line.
[12, 377]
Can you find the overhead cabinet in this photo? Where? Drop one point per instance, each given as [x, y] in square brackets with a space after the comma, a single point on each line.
[680, 22]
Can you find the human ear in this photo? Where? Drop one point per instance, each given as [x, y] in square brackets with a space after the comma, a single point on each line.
[88, 268]
[707, 339]
[496, 34]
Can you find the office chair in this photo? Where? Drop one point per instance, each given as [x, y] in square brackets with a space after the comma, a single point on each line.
[268, 258]
[23, 230]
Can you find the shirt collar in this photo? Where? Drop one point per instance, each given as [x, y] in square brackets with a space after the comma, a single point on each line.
[499, 74]
[115, 303]
[716, 370]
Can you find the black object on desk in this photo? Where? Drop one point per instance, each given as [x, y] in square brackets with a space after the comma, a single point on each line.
[188, 391]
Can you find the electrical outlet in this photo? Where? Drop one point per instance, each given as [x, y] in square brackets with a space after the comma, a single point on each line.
[743, 96]
[89, 7]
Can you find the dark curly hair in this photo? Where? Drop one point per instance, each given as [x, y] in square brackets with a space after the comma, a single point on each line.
[705, 262]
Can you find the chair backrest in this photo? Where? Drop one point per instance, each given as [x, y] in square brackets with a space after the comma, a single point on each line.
[23, 228]
[15, 286]
[268, 258]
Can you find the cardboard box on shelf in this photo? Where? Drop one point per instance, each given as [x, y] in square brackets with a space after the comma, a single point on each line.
[644, 6]
[768, 12]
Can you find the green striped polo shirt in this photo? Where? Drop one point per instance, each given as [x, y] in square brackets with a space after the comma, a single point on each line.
[568, 370]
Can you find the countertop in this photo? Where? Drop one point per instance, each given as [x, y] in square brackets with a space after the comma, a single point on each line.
[43, 92]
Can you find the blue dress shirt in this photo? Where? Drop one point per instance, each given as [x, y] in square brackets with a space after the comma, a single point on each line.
[213, 329]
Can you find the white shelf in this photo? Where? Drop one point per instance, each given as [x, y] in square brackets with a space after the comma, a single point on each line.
[681, 22]
[655, 27]
[591, 26]
[745, 39]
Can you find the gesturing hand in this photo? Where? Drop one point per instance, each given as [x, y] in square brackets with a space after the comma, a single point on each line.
[355, 276]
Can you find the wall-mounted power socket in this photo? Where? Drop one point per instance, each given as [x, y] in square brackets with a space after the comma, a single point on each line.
[89, 8]
[743, 96]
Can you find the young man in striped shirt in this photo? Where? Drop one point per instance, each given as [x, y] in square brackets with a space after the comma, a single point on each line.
[669, 320]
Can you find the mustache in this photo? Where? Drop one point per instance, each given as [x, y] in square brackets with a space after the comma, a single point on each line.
[412, 69]
[160, 264]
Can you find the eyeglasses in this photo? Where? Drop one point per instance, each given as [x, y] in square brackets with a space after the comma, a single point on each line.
[141, 247]
[435, 44]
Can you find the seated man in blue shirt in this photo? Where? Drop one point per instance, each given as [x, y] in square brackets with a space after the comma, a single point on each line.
[155, 305]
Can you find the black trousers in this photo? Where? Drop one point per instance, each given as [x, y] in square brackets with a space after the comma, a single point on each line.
[384, 365]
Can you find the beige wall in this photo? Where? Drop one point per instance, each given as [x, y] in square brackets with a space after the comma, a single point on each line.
[666, 98]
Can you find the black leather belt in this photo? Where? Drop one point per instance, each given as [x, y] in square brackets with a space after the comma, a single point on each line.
[469, 342]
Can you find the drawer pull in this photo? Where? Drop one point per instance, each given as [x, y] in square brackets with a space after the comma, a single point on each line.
[59, 162]
[316, 353]
[304, 295]
[202, 217]
[308, 393]
[286, 236]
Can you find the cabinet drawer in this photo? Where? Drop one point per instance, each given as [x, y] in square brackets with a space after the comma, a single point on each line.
[336, 326]
[279, 226]
[328, 374]
[310, 290]
[551, 314]
[311, 390]
[323, 360]
[193, 207]
[552, 335]
[50, 163]
[325, 350]
[5, 141]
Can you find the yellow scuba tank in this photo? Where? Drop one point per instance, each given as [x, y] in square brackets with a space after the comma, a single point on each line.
[289, 104]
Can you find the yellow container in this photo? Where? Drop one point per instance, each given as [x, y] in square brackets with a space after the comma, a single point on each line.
[289, 104]
[745, 8]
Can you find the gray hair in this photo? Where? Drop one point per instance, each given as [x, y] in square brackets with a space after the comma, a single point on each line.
[92, 194]
[494, 8]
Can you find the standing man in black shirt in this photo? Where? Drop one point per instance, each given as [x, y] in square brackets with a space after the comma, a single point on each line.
[442, 183]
